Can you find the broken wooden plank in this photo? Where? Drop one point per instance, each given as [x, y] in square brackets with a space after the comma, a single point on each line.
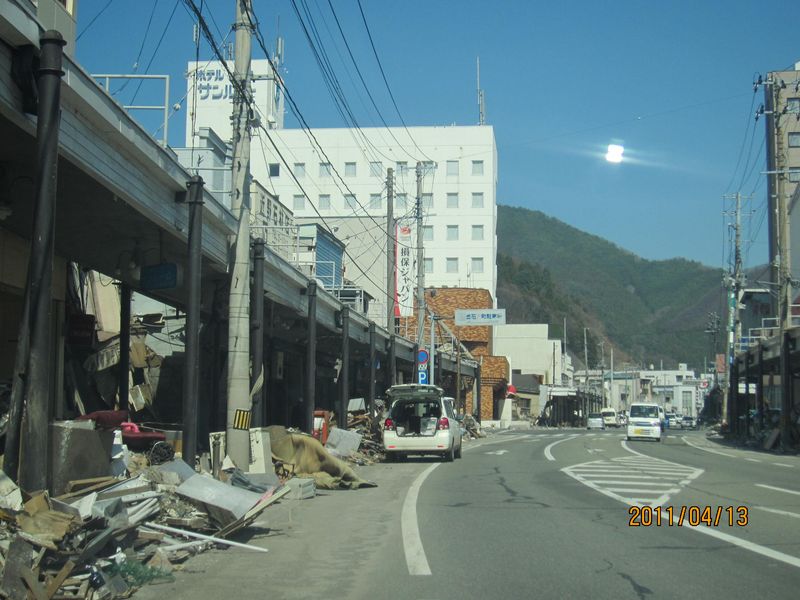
[83, 492]
[18, 561]
[33, 585]
[53, 586]
[79, 484]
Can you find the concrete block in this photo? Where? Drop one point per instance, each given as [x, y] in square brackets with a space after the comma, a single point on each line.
[342, 442]
[301, 488]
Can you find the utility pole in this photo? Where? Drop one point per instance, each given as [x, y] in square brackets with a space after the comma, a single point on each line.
[420, 267]
[238, 389]
[391, 249]
[586, 360]
[611, 390]
[432, 359]
[603, 372]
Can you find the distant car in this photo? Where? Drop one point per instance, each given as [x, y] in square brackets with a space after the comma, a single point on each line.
[674, 420]
[610, 417]
[645, 421]
[595, 421]
[421, 421]
[687, 422]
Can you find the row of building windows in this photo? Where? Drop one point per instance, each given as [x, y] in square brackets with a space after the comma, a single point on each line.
[453, 233]
[452, 168]
[402, 202]
[451, 264]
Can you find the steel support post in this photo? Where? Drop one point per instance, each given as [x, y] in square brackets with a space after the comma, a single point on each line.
[477, 407]
[257, 335]
[311, 357]
[191, 369]
[344, 371]
[124, 366]
[372, 372]
[27, 444]
[392, 366]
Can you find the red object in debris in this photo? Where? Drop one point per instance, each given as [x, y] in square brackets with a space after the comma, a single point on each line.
[322, 420]
[106, 419]
[129, 426]
[142, 440]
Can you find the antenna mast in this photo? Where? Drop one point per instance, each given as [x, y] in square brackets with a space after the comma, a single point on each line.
[481, 102]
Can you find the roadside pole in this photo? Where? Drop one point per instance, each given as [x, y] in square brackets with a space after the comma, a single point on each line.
[238, 414]
[420, 267]
[391, 248]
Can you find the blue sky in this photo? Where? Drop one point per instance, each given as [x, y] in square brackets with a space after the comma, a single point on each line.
[671, 81]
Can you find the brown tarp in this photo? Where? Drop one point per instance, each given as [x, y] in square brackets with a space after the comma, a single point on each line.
[307, 457]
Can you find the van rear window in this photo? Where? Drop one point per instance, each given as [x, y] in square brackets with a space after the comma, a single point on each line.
[648, 412]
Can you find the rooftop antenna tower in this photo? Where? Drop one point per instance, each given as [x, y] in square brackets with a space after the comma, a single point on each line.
[481, 99]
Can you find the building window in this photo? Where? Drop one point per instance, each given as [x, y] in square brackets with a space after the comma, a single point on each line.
[477, 200]
[452, 233]
[299, 170]
[427, 167]
[477, 232]
[477, 167]
[451, 265]
[794, 174]
[452, 200]
[375, 201]
[452, 167]
[427, 200]
[274, 169]
[376, 169]
[794, 139]
[427, 265]
[477, 265]
[299, 202]
[427, 233]
[401, 203]
[793, 105]
[402, 168]
[324, 201]
[349, 169]
[350, 201]
[324, 169]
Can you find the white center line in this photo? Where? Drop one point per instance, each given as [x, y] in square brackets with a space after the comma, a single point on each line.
[549, 455]
[416, 560]
[778, 512]
[753, 459]
[777, 489]
[712, 451]
[783, 465]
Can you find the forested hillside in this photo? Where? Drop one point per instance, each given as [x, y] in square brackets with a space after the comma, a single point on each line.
[651, 310]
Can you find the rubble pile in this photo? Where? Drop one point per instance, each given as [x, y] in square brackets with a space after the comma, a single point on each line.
[106, 536]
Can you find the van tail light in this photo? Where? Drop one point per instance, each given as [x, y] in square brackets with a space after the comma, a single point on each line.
[444, 423]
[388, 425]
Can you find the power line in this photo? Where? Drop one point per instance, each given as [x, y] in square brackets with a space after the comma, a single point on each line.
[155, 51]
[97, 16]
[141, 48]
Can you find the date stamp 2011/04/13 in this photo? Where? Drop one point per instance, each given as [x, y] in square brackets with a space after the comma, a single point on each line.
[646, 516]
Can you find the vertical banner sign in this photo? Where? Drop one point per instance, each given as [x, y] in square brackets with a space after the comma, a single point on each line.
[405, 271]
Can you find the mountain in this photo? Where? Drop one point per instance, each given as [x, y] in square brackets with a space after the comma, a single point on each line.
[649, 310]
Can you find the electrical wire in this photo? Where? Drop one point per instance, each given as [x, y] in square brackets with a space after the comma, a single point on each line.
[97, 16]
[141, 48]
[155, 51]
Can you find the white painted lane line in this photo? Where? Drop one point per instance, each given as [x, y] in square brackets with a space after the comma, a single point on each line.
[644, 491]
[783, 465]
[549, 455]
[778, 512]
[416, 561]
[777, 489]
[711, 450]
[753, 459]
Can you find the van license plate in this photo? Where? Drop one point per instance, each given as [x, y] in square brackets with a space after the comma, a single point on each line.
[639, 432]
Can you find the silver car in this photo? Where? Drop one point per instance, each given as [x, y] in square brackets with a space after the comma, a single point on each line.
[595, 421]
[421, 421]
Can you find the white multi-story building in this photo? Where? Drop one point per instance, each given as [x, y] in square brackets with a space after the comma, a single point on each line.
[337, 177]
[530, 351]
[344, 187]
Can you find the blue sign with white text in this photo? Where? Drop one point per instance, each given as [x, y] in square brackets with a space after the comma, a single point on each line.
[422, 377]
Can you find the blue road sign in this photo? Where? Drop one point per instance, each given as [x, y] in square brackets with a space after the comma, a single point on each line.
[422, 356]
[422, 377]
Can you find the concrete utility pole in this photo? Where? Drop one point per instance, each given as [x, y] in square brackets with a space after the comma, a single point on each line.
[239, 403]
[586, 360]
[432, 359]
[420, 267]
[391, 248]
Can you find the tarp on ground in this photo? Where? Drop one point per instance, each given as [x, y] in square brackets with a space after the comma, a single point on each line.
[308, 457]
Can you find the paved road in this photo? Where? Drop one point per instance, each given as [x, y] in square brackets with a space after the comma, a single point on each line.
[543, 514]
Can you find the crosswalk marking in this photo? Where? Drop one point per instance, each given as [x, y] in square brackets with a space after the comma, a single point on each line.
[634, 480]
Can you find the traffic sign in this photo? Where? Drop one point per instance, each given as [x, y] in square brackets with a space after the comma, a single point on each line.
[422, 377]
[422, 357]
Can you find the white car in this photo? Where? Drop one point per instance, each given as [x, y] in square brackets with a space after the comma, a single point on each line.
[421, 421]
[595, 421]
[610, 417]
[644, 421]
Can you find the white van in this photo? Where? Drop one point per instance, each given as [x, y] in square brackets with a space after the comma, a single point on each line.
[644, 421]
[610, 418]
